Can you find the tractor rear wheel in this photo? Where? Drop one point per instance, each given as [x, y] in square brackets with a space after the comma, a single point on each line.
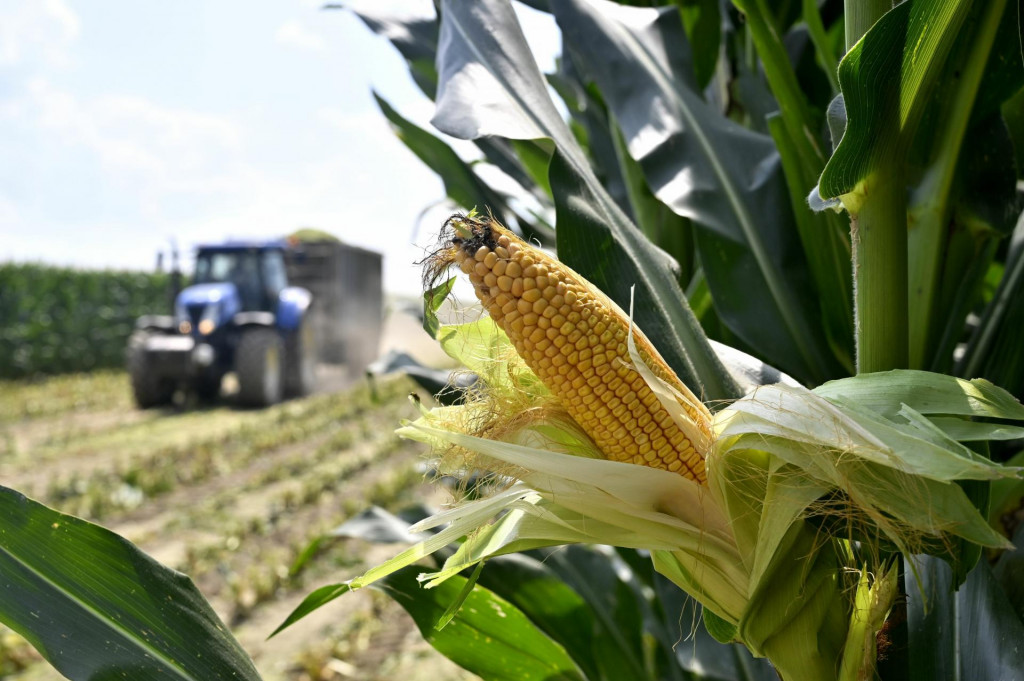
[300, 351]
[258, 365]
[148, 386]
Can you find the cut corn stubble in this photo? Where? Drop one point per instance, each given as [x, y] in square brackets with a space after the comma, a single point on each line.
[575, 339]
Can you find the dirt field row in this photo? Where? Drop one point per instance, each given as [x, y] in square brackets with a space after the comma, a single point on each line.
[232, 497]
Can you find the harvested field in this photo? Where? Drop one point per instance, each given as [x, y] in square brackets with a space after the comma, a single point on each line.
[231, 497]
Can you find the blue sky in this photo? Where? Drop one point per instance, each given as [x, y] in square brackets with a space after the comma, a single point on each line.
[125, 124]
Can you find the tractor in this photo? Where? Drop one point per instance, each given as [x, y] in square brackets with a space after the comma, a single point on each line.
[238, 315]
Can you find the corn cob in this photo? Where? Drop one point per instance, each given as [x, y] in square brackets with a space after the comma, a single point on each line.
[575, 339]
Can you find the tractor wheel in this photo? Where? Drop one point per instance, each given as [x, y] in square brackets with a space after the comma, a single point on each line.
[149, 388]
[300, 370]
[258, 365]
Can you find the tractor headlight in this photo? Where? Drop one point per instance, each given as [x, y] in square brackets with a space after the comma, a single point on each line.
[185, 327]
[208, 323]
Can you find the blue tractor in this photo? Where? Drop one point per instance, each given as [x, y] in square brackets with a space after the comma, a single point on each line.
[239, 315]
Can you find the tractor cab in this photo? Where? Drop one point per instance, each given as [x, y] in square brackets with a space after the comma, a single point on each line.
[238, 315]
[257, 273]
[232, 279]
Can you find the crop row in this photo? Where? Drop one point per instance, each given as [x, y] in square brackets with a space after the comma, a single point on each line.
[149, 474]
[21, 400]
[269, 550]
[56, 320]
[236, 506]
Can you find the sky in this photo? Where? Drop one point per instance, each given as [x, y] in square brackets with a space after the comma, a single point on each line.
[126, 125]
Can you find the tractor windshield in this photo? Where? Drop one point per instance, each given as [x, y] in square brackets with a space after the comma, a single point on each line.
[241, 268]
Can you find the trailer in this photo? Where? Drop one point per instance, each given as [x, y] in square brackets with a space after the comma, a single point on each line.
[346, 283]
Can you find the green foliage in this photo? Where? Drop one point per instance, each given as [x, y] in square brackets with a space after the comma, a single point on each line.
[56, 320]
[490, 637]
[85, 597]
[461, 183]
[981, 643]
[605, 615]
[921, 92]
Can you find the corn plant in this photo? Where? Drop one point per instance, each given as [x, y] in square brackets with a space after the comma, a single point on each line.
[57, 320]
[788, 500]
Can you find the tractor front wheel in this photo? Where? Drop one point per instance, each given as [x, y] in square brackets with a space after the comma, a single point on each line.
[258, 365]
[148, 386]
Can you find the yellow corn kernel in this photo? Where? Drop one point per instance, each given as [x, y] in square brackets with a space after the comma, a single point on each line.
[589, 368]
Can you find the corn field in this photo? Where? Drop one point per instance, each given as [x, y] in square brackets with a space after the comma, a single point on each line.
[753, 412]
[56, 320]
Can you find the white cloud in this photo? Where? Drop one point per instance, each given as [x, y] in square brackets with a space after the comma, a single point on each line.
[127, 133]
[64, 16]
[134, 154]
[203, 177]
[293, 33]
[37, 31]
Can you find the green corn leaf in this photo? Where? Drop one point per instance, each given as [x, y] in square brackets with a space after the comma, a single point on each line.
[823, 50]
[928, 393]
[534, 157]
[597, 575]
[432, 300]
[966, 192]
[994, 348]
[96, 607]
[887, 79]
[670, 231]
[703, 22]
[489, 637]
[963, 430]
[720, 630]
[591, 118]
[453, 609]
[414, 34]
[794, 110]
[727, 179]
[314, 601]
[567, 596]
[461, 183]
[972, 634]
[827, 248]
